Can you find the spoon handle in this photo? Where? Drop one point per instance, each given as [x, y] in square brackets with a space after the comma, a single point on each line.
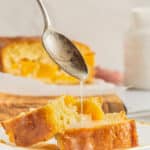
[47, 21]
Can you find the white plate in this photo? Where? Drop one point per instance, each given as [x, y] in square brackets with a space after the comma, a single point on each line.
[25, 86]
[142, 128]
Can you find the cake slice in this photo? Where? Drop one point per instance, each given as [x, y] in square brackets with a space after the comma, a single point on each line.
[26, 57]
[115, 131]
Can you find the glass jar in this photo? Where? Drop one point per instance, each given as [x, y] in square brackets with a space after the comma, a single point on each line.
[137, 50]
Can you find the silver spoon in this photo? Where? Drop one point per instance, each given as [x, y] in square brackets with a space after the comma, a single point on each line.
[61, 49]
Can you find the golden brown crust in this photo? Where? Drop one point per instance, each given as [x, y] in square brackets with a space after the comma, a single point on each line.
[6, 40]
[108, 137]
[12, 105]
[30, 128]
[44, 146]
[40, 146]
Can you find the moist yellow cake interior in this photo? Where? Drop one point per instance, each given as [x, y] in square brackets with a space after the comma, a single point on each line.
[108, 119]
[70, 112]
[29, 59]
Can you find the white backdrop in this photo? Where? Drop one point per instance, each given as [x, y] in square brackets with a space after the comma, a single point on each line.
[100, 23]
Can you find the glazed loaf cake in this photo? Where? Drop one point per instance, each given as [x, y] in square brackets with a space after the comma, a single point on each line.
[25, 56]
[89, 130]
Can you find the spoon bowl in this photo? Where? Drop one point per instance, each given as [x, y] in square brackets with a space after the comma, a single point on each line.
[64, 53]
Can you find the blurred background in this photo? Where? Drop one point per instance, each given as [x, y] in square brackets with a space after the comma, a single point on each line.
[98, 23]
